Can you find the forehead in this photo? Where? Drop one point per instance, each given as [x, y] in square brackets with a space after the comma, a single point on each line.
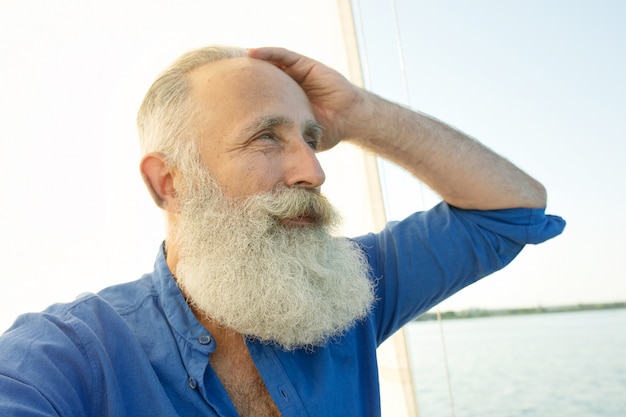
[236, 69]
[245, 87]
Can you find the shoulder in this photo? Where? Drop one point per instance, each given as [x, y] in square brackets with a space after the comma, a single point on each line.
[45, 361]
[68, 329]
[56, 358]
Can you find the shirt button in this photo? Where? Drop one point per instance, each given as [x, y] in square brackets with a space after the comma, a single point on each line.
[192, 383]
[205, 339]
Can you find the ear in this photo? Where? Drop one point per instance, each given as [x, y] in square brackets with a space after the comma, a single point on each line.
[158, 177]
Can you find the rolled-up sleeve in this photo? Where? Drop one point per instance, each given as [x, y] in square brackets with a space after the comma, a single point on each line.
[430, 255]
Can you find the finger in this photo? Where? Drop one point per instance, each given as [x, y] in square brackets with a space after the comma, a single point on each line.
[278, 56]
[295, 65]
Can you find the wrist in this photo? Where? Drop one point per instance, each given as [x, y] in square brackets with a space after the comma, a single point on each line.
[363, 121]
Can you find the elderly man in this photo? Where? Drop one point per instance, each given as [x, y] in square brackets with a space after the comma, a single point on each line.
[254, 308]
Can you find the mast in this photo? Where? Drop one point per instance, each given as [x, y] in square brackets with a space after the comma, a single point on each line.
[396, 386]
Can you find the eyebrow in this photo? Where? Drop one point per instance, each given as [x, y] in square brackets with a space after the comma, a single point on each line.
[314, 129]
[311, 127]
[266, 122]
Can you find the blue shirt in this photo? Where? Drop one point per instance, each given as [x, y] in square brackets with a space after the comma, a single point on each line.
[136, 349]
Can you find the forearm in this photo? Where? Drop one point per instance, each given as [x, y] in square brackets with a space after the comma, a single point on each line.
[464, 172]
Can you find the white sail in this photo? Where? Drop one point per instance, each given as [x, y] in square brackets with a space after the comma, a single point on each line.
[396, 386]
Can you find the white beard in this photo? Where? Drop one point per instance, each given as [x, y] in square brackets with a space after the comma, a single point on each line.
[239, 266]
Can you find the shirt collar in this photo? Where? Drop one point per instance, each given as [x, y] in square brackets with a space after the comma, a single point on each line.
[177, 311]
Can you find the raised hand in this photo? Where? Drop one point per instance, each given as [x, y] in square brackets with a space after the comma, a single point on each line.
[338, 105]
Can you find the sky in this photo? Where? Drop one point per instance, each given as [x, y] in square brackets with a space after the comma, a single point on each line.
[540, 82]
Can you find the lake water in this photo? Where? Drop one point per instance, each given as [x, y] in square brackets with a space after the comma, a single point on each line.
[560, 364]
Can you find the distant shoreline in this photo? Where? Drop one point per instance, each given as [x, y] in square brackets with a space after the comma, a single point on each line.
[476, 312]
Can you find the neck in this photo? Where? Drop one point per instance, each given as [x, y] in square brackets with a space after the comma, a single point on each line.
[171, 255]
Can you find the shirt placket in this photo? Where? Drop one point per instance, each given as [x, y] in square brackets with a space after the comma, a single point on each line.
[277, 380]
[202, 379]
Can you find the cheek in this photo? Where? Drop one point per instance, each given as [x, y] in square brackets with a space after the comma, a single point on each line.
[257, 175]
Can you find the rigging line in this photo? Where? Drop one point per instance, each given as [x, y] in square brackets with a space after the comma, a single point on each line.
[407, 97]
[358, 23]
[445, 362]
[367, 83]
[396, 26]
[404, 77]
[398, 340]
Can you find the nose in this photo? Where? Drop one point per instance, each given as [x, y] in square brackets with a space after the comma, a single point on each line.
[304, 169]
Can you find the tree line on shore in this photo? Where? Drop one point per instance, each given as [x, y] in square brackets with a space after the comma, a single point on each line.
[476, 312]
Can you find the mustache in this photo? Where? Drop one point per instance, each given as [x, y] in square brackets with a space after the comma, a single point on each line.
[285, 203]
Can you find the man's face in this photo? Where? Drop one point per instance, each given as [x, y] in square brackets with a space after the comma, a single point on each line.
[255, 252]
[256, 126]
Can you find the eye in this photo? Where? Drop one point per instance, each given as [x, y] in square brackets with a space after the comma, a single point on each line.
[266, 136]
[313, 135]
[312, 142]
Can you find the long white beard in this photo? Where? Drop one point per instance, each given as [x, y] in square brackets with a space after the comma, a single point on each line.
[242, 268]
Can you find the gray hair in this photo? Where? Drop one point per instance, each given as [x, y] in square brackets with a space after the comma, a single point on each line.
[165, 118]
